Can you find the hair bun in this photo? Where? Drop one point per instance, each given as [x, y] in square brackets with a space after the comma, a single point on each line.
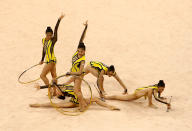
[161, 83]
[112, 68]
[82, 45]
[49, 29]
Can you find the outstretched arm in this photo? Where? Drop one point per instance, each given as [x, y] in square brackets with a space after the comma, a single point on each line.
[157, 99]
[56, 28]
[84, 33]
[58, 90]
[121, 83]
[160, 97]
[155, 96]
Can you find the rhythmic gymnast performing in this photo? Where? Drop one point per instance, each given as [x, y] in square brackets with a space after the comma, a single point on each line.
[147, 92]
[78, 62]
[48, 53]
[98, 70]
[68, 91]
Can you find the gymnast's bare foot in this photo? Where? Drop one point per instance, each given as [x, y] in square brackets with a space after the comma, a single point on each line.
[37, 86]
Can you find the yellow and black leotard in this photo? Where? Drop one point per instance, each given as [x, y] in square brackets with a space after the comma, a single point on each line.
[142, 88]
[70, 93]
[49, 51]
[67, 90]
[48, 47]
[154, 87]
[76, 62]
[99, 66]
[147, 87]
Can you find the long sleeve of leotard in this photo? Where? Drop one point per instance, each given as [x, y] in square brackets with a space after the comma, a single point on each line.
[159, 99]
[83, 34]
[43, 55]
[55, 31]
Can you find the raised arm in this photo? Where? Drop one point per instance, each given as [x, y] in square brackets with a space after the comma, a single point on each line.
[56, 28]
[121, 83]
[84, 33]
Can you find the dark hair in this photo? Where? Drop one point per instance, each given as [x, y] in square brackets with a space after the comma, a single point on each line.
[82, 46]
[49, 29]
[111, 68]
[61, 97]
[161, 83]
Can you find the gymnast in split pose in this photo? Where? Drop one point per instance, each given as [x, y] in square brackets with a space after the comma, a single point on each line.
[68, 91]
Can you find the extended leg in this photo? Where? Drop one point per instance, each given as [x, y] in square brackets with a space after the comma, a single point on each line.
[58, 105]
[122, 97]
[103, 104]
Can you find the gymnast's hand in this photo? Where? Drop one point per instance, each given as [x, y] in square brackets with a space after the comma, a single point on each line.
[125, 92]
[163, 98]
[41, 62]
[62, 16]
[68, 74]
[169, 106]
[86, 23]
[37, 86]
